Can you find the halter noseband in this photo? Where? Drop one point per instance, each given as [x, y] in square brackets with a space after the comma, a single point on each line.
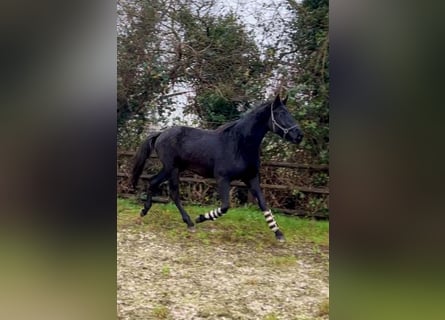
[275, 123]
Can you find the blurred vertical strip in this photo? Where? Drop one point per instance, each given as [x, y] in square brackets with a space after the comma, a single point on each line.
[387, 155]
[58, 158]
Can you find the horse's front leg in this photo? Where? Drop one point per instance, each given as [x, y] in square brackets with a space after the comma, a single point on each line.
[224, 194]
[254, 187]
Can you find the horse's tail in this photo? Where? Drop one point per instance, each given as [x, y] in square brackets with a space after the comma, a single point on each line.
[141, 156]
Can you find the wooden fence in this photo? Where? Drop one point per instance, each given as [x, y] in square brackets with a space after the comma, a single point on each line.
[123, 175]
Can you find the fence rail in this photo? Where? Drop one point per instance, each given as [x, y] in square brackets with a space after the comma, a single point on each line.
[277, 164]
[238, 184]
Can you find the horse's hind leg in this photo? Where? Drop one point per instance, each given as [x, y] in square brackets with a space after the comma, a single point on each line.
[154, 183]
[224, 194]
[174, 194]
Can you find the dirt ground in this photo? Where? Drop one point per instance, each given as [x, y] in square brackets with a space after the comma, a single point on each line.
[163, 279]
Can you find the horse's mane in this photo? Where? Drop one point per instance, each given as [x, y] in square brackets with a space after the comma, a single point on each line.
[229, 125]
[226, 126]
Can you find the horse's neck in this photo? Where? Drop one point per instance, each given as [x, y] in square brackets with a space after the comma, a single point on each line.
[253, 129]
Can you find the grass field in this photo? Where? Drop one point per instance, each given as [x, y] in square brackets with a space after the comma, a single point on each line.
[240, 224]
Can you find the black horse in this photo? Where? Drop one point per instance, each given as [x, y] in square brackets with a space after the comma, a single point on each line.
[230, 152]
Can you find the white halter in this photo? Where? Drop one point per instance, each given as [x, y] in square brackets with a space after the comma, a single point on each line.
[275, 123]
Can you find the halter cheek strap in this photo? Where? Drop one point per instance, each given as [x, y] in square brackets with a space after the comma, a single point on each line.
[275, 123]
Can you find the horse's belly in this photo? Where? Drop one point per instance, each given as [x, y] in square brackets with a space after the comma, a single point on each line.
[245, 173]
[202, 169]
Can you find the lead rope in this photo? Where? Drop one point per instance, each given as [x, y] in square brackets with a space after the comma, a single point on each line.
[275, 123]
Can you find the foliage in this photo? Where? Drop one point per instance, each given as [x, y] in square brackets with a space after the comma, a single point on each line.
[141, 74]
[224, 67]
[216, 109]
[310, 78]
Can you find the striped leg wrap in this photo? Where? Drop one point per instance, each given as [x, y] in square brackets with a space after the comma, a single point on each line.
[271, 221]
[213, 214]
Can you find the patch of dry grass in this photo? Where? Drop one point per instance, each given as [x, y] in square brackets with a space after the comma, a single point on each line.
[161, 312]
[323, 308]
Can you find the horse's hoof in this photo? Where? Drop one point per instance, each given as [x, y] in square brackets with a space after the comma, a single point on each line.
[281, 239]
[191, 229]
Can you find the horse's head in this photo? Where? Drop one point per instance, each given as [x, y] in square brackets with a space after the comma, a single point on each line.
[282, 123]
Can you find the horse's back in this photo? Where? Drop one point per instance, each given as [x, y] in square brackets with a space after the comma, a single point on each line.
[180, 137]
[188, 148]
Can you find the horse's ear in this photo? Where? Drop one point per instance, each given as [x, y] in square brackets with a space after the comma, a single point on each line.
[277, 100]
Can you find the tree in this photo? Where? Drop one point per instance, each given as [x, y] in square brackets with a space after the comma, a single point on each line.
[310, 76]
[165, 43]
[224, 66]
[141, 74]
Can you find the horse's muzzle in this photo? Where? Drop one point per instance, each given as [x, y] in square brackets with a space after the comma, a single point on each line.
[299, 137]
[296, 137]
